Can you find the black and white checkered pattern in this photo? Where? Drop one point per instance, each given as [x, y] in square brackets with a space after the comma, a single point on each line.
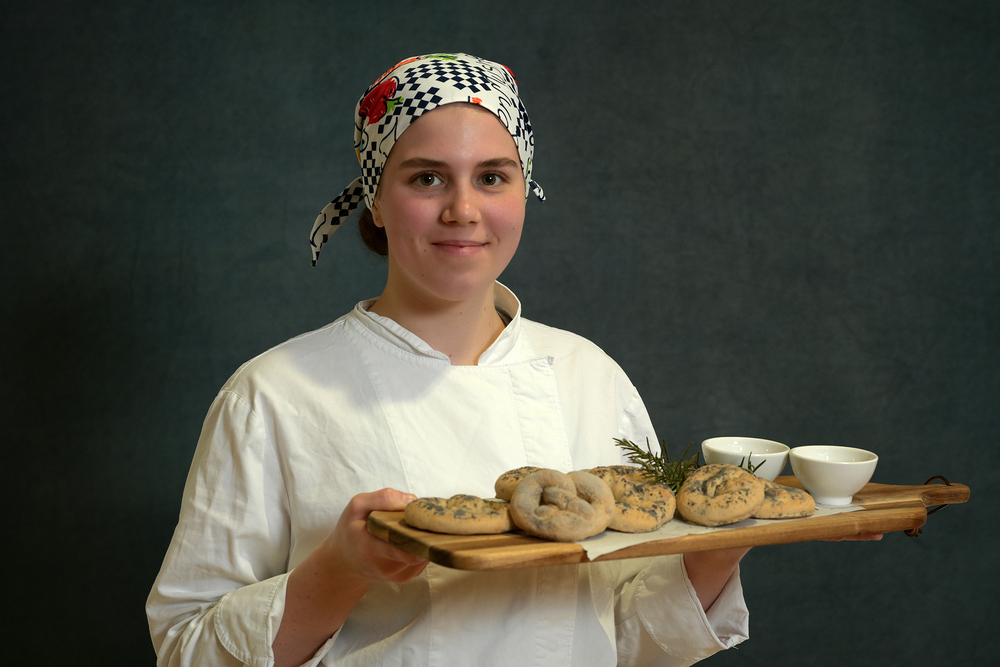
[332, 214]
[454, 74]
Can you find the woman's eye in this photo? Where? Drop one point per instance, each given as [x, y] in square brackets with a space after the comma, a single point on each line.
[492, 179]
[427, 180]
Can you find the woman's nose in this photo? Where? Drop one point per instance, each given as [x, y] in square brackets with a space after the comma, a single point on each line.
[462, 206]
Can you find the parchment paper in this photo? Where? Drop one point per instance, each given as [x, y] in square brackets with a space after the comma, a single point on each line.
[611, 540]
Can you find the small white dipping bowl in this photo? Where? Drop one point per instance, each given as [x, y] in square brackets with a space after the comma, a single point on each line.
[769, 454]
[832, 474]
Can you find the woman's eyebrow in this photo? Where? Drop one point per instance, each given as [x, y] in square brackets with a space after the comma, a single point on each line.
[427, 163]
[421, 163]
[499, 163]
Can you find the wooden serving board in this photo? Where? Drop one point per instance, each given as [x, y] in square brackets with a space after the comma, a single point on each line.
[887, 508]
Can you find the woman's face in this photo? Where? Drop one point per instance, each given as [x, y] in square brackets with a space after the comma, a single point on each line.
[451, 200]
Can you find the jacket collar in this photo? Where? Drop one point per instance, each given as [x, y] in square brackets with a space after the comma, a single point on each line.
[509, 346]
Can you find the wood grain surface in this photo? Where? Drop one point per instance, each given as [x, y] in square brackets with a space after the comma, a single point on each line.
[887, 508]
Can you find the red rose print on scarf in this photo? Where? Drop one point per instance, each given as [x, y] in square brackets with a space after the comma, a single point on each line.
[379, 101]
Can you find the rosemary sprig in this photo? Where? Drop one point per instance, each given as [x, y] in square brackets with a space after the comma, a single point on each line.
[658, 467]
[749, 467]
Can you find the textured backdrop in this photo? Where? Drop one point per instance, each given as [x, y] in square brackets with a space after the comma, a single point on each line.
[781, 218]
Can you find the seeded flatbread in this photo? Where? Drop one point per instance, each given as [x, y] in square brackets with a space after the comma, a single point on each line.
[508, 481]
[784, 502]
[459, 515]
[628, 472]
[718, 494]
[641, 506]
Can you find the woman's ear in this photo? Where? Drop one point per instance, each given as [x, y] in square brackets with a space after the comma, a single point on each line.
[377, 213]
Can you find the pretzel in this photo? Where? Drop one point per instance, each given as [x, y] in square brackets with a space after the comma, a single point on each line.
[784, 502]
[718, 494]
[641, 505]
[507, 482]
[459, 515]
[561, 507]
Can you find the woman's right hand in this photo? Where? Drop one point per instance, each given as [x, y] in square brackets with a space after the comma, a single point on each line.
[351, 549]
[324, 589]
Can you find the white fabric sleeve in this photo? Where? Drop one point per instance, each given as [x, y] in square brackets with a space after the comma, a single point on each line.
[660, 620]
[220, 593]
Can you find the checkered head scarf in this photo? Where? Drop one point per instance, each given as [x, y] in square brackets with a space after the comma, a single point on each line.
[413, 87]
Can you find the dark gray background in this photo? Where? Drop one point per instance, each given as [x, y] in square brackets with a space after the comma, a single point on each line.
[781, 218]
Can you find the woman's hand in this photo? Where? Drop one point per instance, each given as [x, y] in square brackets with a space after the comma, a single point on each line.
[324, 589]
[350, 550]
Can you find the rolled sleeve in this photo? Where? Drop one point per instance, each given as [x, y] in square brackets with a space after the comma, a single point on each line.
[246, 620]
[659, 613]
[241, 615]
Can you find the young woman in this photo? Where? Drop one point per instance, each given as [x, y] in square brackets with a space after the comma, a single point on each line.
[434, 388]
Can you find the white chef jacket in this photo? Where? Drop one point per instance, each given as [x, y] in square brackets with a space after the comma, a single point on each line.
[363, 404]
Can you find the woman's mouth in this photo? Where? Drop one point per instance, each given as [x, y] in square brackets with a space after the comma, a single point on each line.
[457, 246]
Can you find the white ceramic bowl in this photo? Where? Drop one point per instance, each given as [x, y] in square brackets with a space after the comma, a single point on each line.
[832, 474]
[770, 454]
